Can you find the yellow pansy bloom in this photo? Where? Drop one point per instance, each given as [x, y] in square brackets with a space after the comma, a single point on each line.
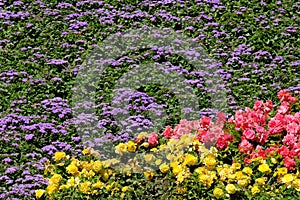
[72, 169]
[218, 193]
[51, 189]
[230, 188]
[190, 159]
[164, 167]
[85, 187]
[288, 178]
[149, 158]
[39, 193]
[131, 146]
[254, 189]
[86, 151]
[59, 156]
[97, 166]
[264, 168]
[55, 179]
[247, 170]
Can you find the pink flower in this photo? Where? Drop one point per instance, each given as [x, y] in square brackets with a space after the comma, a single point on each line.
[284, 108]
[249, 134]
[275, 126]
[168, 132]
[258, 105]
[292, 128]
[284, 151]
[289, 140]
[152, 139]
[289, 163]
[245, 147]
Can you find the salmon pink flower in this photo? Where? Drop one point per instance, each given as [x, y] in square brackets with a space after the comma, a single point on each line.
[152, 139]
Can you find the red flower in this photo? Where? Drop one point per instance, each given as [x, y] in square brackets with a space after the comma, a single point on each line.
[205, 122]
[168, 132]
[221, 144]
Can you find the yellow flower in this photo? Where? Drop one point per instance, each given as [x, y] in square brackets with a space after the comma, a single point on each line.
[236, 166]
[164, 167]
[131, 146]
[86, 165]
[98, 184]
[59, 156]
[72, 169]
[201, 170]
[287, 178]
[254, 189]
[51, 189]
[55, 179]
[180, 177]
[218, 193]
[264, 168]
[274, 161]
[296, 184]
[121, 148]
[248, 170]
[261, 181]
[85, 187]
[125, 188]
[86, 151]
[64, 187]
[149, 158]
[230, 188]
[97, 166]
[104, 175]
[39, 193]
[88, 174]
[190, 159]
[176, 169]
[206, 180]
[154, 150]
[210, 161]
[142, 135]
[122, 195]
[145, 144]
[73, 181]
[281, 171]
[243, 182]
[149, 175]
[239, 175]
[158, 161]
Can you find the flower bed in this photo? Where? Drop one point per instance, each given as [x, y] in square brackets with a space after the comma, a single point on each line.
[254, 154]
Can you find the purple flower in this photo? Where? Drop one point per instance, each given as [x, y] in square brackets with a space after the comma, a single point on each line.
[29, 136]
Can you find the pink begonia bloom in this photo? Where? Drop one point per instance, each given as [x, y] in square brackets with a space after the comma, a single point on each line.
[258, 105]
[249, 134]
[290, 140]
[292, 128]
[284, 151]
[284, 108]
[289, 163]
[275, 126]
[297, 117]
[245, 147]
[152, 139]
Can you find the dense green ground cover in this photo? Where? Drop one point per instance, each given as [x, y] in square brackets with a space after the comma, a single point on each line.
[43, 45]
